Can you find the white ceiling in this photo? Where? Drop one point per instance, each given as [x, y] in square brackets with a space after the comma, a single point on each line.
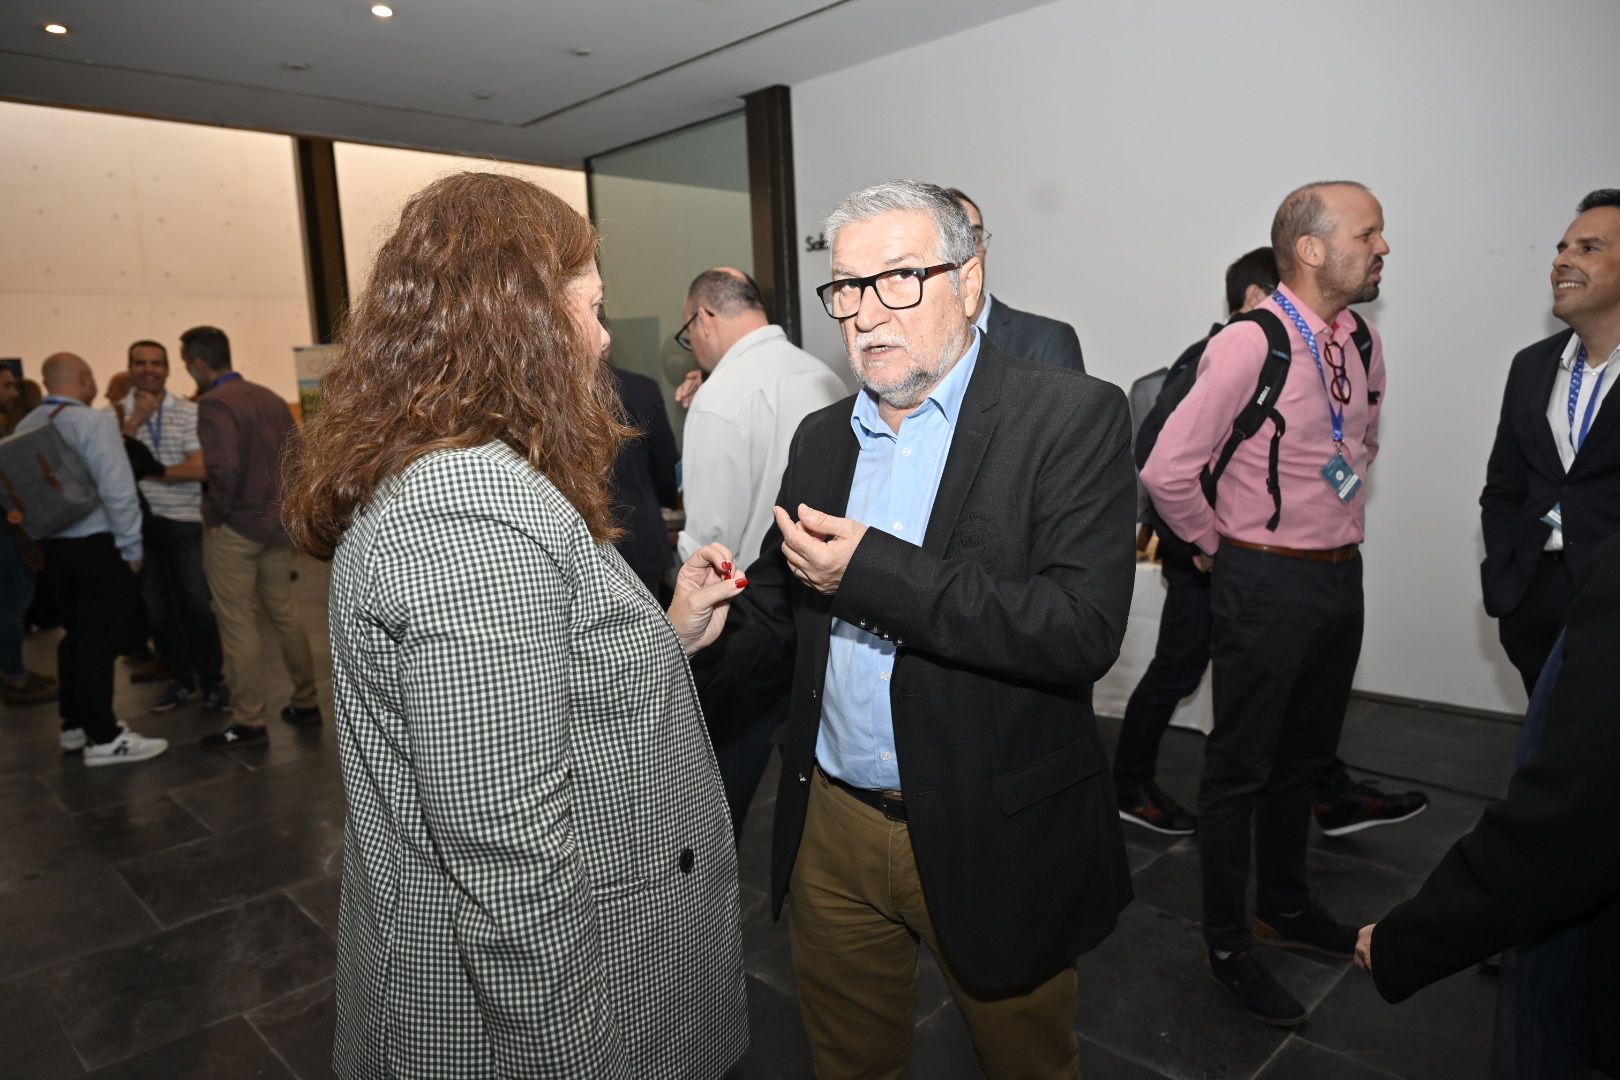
[654, 65]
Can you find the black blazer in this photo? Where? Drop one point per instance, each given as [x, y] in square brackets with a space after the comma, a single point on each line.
[644, 479]
[1525, 477]
[1543, 858]
[1034, 337]
[1013, 606]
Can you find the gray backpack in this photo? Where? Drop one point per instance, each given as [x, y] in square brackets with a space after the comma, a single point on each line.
[44, 484]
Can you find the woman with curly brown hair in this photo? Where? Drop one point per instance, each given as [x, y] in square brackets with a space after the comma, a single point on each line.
[539, 873]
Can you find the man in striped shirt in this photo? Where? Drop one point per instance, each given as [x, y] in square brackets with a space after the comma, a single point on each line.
[175, 588]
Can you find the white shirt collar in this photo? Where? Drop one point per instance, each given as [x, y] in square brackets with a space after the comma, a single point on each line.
[1573, 349]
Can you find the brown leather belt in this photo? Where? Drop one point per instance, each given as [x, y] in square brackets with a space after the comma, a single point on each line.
[1331, 555]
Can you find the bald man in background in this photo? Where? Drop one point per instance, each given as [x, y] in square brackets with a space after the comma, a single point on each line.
[91, 566]
[741, 423]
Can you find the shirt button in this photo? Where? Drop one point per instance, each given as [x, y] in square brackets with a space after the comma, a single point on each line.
[688, 860]
[905, 452]
[887, 755]
[899, 527]
[884, 676]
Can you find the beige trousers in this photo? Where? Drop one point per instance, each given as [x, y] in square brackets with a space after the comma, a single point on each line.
[244, 576]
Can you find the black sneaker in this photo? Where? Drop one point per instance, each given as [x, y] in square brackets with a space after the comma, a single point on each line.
[218, 698]
[1150, 807]
[236, 735]
[1313, 929]
[173, 697]
[1367, 807]
[1256, 990]
[306, 716]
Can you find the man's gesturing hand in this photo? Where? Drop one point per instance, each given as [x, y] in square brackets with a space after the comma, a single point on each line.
[818, 546]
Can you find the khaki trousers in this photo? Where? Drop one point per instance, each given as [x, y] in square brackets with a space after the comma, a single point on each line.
[857, 912]
[244, 576]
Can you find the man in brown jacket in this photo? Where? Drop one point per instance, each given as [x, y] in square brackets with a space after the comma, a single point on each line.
[244, 429]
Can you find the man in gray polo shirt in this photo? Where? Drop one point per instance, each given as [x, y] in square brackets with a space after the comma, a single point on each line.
[175, 588]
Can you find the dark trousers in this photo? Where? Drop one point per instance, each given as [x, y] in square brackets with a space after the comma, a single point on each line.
[1529, 630]
[16, 593]
[1285, 643]
[1177, 667]
[96, 595]
[178, 603]
[742, 713]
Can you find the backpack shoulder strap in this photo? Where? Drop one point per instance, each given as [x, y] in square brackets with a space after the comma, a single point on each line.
[1260, 408]
[1362, 336]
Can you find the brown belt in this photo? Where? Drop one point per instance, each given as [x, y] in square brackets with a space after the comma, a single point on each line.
[1331, 555]
[889, 803]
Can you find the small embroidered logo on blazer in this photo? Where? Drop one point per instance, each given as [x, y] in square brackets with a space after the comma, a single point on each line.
[975, 538]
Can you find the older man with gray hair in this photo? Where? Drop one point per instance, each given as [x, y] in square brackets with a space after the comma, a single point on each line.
[951, 568]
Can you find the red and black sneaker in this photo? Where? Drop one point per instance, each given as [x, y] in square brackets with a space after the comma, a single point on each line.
[1367, 807]
[1149, 807]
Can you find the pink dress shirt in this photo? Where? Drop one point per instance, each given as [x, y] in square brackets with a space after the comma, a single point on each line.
[1313, 516]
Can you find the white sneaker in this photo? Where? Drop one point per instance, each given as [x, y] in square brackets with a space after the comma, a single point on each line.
[74, 738]
[128, 748]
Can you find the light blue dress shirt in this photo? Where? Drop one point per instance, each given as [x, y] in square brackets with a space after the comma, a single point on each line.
[896, 478]
[100, 445]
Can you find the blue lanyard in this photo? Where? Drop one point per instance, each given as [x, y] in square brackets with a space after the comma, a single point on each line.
[229, 376]
[1316, 354]
[156, 433]
[1576, 376]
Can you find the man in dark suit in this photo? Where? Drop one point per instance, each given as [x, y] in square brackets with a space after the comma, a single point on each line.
[1534, 868]
[1014, 332]
[1552, 488]
[644, 480]
[957, 576]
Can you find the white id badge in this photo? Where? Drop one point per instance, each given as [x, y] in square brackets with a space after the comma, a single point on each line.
[1341, 477]
[1555, 516]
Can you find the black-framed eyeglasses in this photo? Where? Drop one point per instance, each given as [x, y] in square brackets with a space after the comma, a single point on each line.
[683, 336]
[896, 289]
[1339, 384]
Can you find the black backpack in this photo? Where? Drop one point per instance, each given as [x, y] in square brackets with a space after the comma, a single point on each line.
[1260, 408]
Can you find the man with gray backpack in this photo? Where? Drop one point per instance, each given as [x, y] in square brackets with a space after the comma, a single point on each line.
[65, 480]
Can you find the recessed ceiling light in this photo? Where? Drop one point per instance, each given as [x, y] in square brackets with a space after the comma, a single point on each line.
[55, 28]
[382, 11]
[580, 51]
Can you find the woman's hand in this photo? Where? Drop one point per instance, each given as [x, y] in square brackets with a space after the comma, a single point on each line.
[704, 588]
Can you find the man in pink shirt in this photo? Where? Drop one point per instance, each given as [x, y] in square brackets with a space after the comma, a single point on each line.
[1283, 545]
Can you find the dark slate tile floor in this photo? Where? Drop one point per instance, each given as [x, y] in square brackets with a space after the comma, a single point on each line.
[178, 918]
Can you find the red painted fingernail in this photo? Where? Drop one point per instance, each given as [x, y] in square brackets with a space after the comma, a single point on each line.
[725, 566]
[740, 582]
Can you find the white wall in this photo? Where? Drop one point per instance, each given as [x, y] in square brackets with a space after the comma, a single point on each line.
[114, 229]
[1124, 154]
[375, 181]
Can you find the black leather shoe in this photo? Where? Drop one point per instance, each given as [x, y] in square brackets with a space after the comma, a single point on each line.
[1255, 989]
[1312, 929]
[309, 716]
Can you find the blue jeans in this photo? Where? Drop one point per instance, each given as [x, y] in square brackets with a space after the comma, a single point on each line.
[16, 593]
